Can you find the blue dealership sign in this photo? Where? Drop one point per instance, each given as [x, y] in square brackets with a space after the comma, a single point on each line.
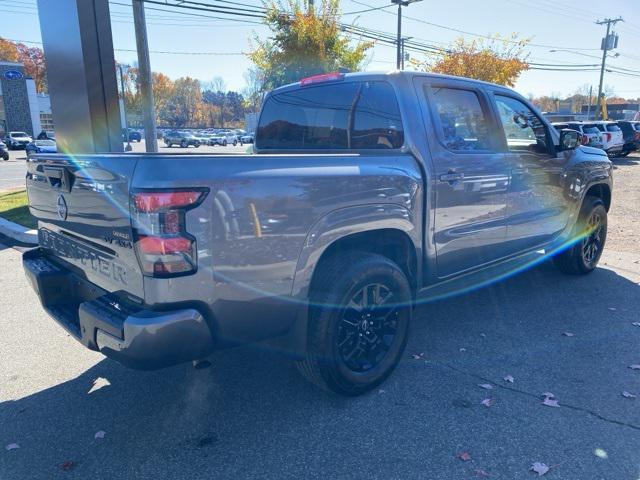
[13, 75]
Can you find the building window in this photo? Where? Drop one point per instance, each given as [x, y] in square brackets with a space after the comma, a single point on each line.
[46, 121]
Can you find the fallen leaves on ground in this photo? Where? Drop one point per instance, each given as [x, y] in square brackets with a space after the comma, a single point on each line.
[99, 434]
[634, 367]
[550, 400]
[464, 456]
[481, 473]
[486, 386]
[539, 468]
[99, 383]
[462, 350]
[568, 334]
[12, 446]
[509, 378]
[417, 356]
[626, 394]
[488, 402]
[636, 324]
[68, 465]
[613, 309]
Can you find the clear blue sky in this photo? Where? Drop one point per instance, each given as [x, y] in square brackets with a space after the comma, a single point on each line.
[551, 25]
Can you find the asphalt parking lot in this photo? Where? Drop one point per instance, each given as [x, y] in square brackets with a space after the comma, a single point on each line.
[250, 415]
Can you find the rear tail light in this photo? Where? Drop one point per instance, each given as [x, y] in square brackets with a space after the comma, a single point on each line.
[585, 140]
[607, 137]
[636, 136]
[163, 245]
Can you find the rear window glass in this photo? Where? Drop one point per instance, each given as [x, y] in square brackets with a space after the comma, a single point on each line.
[613, 128]
[601, 127]
[590, 129]
[353, 115]
[560, 126]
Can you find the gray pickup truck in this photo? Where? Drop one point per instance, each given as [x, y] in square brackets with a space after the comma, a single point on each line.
[366, 194]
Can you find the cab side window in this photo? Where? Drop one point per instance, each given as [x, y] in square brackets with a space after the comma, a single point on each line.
[463, 124]
[523, 129]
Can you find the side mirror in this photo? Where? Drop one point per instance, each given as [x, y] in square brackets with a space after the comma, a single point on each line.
[569, 139]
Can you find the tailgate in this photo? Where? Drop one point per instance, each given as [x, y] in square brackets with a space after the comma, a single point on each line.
[82, 204]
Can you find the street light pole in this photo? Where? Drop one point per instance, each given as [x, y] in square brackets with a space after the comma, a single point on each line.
[399, 42]
[145, 78]
[128, 148]
[399, 38]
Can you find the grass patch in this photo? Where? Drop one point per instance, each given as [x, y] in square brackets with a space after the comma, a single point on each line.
[13, 207]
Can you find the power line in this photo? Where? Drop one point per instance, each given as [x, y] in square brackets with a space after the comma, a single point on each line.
[488, 37]
[162, 52]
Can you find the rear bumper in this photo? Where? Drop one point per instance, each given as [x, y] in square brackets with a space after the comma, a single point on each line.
[131, 334]
[614, 149]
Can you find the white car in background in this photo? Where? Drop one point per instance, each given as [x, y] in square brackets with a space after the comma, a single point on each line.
[224, 138]
[15, 140]
[612, 137]
[591, 135]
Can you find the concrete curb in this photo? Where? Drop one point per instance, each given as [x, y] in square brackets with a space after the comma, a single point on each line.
[18, 232]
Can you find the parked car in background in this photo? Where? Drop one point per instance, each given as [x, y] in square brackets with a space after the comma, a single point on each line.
[224, 138]
[591, 136]
[4, 151]
[392, 187]
[134, 135]
[41, 146]
[184, 139]
[17, 140]
[631, 135]
[247, 138]
[612, 138]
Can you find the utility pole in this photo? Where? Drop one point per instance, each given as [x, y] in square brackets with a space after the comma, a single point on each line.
[609, 42]
[145, 79]
[589, 104]
[399, 41]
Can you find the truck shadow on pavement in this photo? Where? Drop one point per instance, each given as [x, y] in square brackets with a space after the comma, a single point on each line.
[250, 415]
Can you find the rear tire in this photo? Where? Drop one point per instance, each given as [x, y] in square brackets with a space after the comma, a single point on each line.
[583, 256]
[361, 308]
[184, 144]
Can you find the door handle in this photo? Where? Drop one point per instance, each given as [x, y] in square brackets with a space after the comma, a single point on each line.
[451, 177]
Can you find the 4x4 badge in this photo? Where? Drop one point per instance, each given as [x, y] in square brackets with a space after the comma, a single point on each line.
[62, 208]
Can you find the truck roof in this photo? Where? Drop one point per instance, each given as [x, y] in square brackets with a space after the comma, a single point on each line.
[380, 75]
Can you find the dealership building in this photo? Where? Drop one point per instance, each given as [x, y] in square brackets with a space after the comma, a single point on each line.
[21, 107]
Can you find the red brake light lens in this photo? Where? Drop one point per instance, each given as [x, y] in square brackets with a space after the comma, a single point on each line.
[157, 201]
[163, 245]
[323, 77]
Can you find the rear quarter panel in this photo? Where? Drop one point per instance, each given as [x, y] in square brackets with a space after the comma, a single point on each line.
[266, 221]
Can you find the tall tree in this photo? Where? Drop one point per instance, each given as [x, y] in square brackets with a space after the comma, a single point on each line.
[499, 60]
[253, 91]
[33, 60]
[31, 57]
[8, 51]
[304, 41]
[184, 107]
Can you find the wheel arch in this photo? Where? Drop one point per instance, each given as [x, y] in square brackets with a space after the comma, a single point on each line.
[388, 230]
[601, 191]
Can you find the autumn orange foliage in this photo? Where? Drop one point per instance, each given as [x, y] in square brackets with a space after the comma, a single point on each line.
[496, 60]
